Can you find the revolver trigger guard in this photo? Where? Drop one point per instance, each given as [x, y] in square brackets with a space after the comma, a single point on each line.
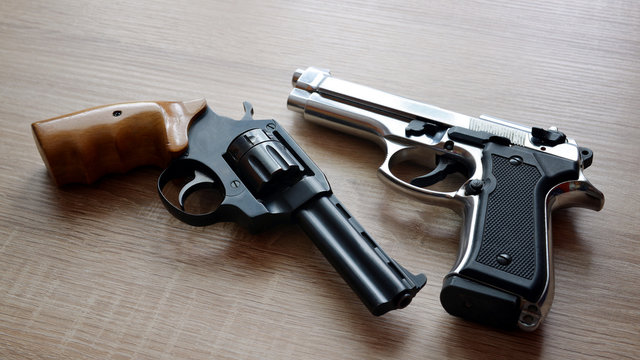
[200, 177]
[199, 182]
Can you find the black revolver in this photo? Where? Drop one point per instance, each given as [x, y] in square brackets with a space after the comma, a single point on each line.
[514, 177]
[257, 173]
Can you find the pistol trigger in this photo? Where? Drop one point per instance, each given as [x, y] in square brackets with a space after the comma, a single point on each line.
[199, 182]
[248, 111]
[444, 167]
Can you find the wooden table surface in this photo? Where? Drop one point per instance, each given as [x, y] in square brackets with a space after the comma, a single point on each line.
[104, 272]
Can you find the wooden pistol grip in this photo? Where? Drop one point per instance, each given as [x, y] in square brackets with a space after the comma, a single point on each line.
[84, 146]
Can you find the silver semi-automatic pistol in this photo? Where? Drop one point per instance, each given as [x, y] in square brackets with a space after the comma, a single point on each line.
[514, 177]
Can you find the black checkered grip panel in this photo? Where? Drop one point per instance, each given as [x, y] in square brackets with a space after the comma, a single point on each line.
[509, 224]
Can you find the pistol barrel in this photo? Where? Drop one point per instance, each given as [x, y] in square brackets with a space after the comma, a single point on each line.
[364, 111]
[351, 96]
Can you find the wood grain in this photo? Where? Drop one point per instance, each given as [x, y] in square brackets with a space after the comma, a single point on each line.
[104, 272]
[86, 145]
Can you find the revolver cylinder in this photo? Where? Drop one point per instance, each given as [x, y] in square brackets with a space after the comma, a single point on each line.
[265, 165]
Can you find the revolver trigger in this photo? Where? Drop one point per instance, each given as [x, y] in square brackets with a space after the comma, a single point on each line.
[199, 182]
[444, 167]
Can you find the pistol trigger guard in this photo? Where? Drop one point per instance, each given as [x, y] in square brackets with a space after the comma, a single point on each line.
[394, 155]
[199, 182]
